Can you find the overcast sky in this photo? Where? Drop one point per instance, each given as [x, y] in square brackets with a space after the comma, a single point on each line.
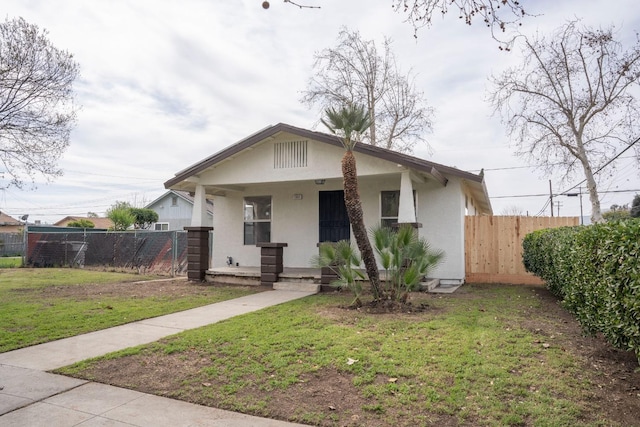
[165, 84]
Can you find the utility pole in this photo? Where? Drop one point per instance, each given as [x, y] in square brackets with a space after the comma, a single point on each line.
[578, 194]
[551, 197]
[558, 204]
[581, 214]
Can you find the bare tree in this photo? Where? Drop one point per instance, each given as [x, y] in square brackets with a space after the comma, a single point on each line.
[512, 210]
[635, 206]
[570, 102]
[355, 73]
[36, 102]
[498, 15]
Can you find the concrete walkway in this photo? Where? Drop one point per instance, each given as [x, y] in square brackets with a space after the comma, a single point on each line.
[31, 397]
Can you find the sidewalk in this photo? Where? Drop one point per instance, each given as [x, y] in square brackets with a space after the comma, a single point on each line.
[31, 397]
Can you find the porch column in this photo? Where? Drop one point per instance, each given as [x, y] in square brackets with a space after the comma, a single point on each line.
[197, 252]
[406, 208]
[199, 213]
[271, 262]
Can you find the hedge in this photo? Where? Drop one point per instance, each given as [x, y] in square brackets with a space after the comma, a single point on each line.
[595, 270]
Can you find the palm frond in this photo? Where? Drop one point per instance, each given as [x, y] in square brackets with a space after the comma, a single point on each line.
[348, 122]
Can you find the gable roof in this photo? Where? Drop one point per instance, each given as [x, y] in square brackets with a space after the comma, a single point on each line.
[183, 195]
[102, 223]
[475, 182]
[6, 220]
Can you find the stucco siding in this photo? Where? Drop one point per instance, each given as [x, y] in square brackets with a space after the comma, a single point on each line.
[439, 209]
[292, 165]
[295, 221]
[257, 165]
[441, 213]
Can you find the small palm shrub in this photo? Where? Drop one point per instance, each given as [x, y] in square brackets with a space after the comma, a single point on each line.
[406, 259]
[345, 262]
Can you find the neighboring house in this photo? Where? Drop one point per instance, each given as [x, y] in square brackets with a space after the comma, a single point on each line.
[175, 209]
[283, 184]
[9, 224]
[100, 223]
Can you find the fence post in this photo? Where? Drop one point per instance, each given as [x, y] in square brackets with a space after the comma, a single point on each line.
[174, 251]
[65, 262]
[25, 243]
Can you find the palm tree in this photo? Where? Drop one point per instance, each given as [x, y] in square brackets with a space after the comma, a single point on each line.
[348, 122]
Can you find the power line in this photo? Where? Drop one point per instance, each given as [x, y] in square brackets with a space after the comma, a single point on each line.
[519, 195]
[558, 194]
[603, 166]
[544, 207]
[615, 191]
[528, 166]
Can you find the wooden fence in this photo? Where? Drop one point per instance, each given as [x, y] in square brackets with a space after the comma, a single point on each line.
[493, 246]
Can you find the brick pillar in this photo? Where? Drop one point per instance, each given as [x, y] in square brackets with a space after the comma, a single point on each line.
[327, 274]
[197, 252]
[271, 264]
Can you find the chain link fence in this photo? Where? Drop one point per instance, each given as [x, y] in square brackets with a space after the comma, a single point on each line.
[146, 251]
[11, 244]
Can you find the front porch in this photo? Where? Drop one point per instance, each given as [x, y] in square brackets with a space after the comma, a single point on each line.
[306, 279]
[289, 278]
[251, 275]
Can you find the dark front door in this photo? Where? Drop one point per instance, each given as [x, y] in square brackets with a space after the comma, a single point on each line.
[334, 221]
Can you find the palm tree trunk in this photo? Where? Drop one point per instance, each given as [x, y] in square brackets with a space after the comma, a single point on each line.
[354, 211]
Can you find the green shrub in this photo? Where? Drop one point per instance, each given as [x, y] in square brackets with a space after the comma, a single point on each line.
[406, 259]
[545, 255]
[81, 223]
[617, 215]
[596, 272]
[345, 262]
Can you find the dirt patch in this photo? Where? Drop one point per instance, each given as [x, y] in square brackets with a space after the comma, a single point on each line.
[149, 372]
[330, 391]
[146, 289]
[331, 394]
[391, 306]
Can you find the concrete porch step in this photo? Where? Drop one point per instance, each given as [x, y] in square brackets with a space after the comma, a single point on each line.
[297, 286]
[444, 289]
[429, 285]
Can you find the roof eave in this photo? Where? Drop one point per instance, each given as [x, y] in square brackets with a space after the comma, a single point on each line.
[434, 169]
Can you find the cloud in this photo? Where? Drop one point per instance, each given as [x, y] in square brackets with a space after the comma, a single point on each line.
[164, 84]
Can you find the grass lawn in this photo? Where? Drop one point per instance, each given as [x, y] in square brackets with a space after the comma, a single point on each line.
[486, 355]
[40, 305]
[10, 262]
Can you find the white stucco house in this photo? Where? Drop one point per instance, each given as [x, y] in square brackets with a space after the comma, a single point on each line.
[283, 184]
[175, 209]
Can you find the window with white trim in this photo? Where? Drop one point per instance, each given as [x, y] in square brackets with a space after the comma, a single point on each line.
[390, 205]
[161, 226]
[257, 220]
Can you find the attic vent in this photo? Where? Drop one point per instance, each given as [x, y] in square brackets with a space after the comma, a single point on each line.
[290, 154]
